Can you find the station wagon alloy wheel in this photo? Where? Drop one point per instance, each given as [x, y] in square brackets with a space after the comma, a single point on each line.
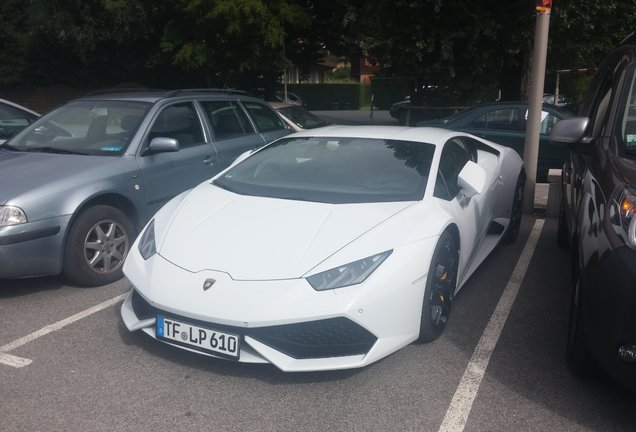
[106, 246]
[98, 244]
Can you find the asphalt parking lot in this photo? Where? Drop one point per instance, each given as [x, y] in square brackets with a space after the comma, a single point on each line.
[67, 363]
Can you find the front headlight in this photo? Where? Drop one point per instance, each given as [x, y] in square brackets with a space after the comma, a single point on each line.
[348, 274]
[11, 215]
[624, 222]
[146, 244]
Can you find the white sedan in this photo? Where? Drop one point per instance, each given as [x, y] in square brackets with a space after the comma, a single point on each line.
[327, 249]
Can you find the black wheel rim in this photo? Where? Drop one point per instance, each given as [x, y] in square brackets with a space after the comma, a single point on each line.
[443, 285]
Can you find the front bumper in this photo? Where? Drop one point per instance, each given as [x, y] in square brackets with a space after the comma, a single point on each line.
[32, 249]
[283, 322]
[609, 301]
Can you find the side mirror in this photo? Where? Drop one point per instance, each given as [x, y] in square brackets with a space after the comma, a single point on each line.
[570, 132]
[471, 180]
[162, 145]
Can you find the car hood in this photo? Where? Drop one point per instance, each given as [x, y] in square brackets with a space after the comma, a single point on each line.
[24, 172]
[256, 238]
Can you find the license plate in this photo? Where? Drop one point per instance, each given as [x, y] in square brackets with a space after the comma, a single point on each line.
[199, 338]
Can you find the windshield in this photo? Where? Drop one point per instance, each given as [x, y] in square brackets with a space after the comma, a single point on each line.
[302, 118]
[334, 170]
[83, 127]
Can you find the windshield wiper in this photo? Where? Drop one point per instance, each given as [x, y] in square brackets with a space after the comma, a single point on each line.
[52, 150]
[8, 147]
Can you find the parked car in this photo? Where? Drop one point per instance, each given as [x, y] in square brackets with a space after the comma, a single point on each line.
[297, 117]
[14, 118]
[80, 182]
[597, 220]
[292, 98]
[409, 115]
[505, 124]
[327, 249]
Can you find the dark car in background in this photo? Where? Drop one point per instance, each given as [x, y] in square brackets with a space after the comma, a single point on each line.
[14, 118]
[505, 124]
[80, 182]
[598, 220]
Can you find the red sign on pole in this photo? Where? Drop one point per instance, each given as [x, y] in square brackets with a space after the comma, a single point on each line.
[544, 7]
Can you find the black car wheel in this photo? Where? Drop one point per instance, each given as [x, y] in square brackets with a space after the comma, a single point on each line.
[512, 232]
[563, 237]
[97, 245]
[440, 287]
[578, 355]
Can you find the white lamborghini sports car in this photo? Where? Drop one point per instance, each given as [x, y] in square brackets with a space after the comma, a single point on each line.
[327, 249]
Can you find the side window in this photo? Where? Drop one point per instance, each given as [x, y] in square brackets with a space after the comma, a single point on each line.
[628, 119]
[503, 119]
[227, 118]
[547, 121]
[454, 156]
[265, 118]
[13, 120]
[598, 110]
[181, 122]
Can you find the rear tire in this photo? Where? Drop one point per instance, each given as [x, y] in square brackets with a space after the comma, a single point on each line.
[97, 245]
[512, 232]
[440, 288]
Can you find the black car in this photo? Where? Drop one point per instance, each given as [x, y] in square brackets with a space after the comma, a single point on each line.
[505, 123]
[597, 220]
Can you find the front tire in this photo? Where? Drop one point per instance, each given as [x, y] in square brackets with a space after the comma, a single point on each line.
[440, 288]
[563, 236]
[512, 232]
[97, 245]
[578, 355]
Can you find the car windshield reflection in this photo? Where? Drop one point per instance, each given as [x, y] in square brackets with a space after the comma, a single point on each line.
[334, 170]
[85, 128]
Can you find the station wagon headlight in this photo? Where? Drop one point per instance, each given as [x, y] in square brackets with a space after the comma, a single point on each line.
[348, 274]
[11, 215]
[147, 241]
[623, 218]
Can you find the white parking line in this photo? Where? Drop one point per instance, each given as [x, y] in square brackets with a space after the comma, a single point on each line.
[11, 360]
[457, 413]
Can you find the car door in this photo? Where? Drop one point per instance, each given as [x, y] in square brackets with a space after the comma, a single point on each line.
[232, 130]
[268, 123]
[166, 174]
[470, 215]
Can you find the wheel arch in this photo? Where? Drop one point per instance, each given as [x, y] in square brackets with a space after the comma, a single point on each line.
[111, 199]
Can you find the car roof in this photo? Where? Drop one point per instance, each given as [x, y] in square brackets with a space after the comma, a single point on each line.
[20, 107]
[405, 133]
[152, 96]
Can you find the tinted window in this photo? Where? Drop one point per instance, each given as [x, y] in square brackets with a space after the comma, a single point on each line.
[85, 127]
[13, 120]
[337, 170]
[265, 118]
[454, 157]
[179, 121]
[503, 119]
[227, 118]
[628, 120]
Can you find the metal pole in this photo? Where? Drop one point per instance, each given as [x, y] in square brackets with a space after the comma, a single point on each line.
[556, 89]
[531, 147]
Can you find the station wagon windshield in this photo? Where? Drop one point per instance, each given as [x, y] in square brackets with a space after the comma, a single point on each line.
[84, 127]
[334, 170]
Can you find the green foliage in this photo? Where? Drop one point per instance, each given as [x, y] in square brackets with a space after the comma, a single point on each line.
[341, 74]
[388, 90]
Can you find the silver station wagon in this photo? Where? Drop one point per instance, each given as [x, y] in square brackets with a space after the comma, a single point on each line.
[79, 183]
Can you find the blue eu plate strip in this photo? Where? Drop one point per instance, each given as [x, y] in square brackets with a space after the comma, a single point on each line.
[160, 326]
